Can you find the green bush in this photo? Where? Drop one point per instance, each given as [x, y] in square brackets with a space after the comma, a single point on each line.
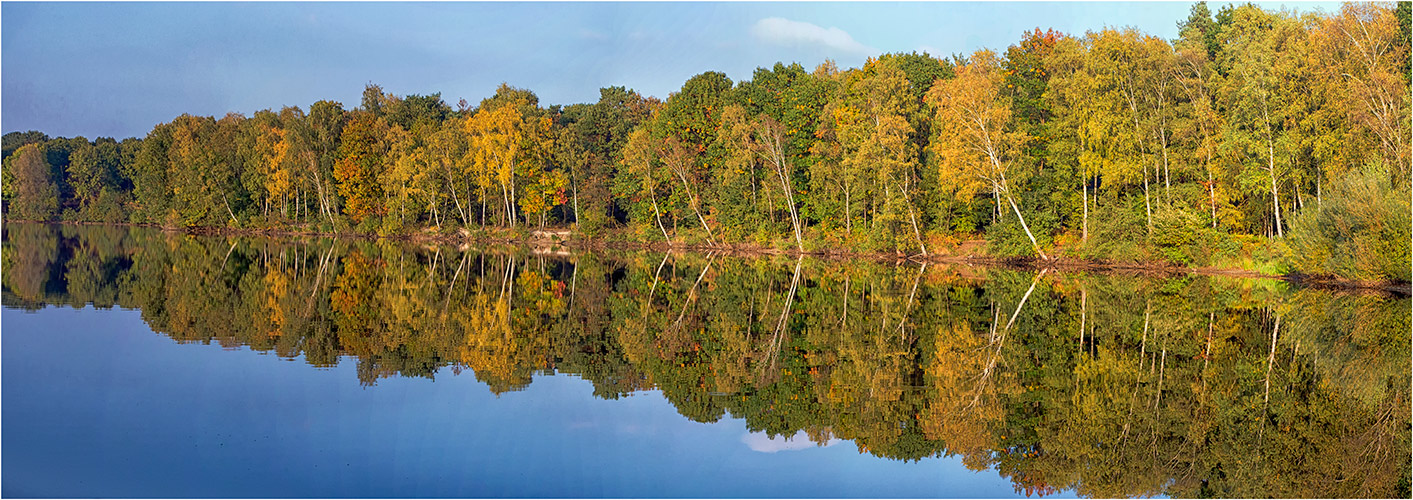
[592, 223]
[390, 226]
[1177, 255]
[1210, 247]
[1360, 232]
[370, 225]
[763, 235]
[1117, 231]
[1008, 238]
[172, 220]
[107, 208]
[1174, 227]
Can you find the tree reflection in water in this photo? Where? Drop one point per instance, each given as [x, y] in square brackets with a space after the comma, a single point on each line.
[1111, 385]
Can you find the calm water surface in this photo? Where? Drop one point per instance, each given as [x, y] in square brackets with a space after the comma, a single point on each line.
[143, 364]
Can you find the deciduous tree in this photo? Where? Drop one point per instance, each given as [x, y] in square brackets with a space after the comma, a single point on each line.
[973, 146]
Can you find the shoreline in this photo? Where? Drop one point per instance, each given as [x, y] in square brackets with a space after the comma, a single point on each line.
[576, 242]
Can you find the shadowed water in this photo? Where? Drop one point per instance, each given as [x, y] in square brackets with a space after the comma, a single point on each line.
[423, 370]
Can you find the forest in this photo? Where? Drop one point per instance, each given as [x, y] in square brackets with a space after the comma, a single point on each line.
[1218, 148]
[1104, 385]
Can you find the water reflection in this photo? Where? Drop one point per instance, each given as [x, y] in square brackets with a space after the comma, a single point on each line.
[1110, 385]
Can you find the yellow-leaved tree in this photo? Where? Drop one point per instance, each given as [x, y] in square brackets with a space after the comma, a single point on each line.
[494, 148]
[973, 147]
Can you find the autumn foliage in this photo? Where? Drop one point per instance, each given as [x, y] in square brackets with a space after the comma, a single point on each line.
[1207, 149]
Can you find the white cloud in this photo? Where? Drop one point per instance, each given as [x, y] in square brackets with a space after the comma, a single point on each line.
[758, 441]
[783, 31]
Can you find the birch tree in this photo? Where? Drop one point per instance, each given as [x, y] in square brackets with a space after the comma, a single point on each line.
[769, 143]
[1259, 43]
[973, 147]
[638, 159]
[494, 145]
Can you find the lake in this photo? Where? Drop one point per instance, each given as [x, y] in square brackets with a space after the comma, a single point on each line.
[139, 363]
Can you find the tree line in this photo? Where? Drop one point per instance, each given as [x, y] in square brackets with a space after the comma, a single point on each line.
[1113, 386]
[1254, 135]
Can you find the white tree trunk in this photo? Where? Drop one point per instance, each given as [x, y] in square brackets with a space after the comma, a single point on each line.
[1084, 233]
[658, 215]
[1275, 196]
[1212, 192]
[1319, 204]
[1147, 202]
[917, 233]
[1271, 359]
[513, 200]
[1033, 243]
[790, 199]
[848, 211]
[692, 199]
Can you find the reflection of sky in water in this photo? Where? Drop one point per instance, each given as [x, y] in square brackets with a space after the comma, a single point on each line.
[96, 404]
[760, 441]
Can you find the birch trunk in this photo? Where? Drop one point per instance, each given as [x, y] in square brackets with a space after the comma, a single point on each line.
[692, 199]
[1271, 168]
[1147, 203]
[658, 215]
[1271, 359]
[1084, 233]
[790, 200]
[456, 199]
[848, 211]
[1275, 195]
[1033, 243]
[1212, 192]
[1319, 204]
[228, 211]
[912, 215]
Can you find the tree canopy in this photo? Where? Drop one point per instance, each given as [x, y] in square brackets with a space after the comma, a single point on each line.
[1215, 148]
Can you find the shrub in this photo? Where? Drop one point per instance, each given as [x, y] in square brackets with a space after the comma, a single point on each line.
[172, 220]
[107, 208]
[369, 225]
[1008, 238]
[1117, 231]
[763, 235]
[390, 226]
[1174, 227]
[1360, 232]
[592, 223]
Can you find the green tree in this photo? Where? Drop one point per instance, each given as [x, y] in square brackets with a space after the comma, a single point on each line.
[875, 147]
[1195, 73]
[640, 176]
[12, 142]
[92, 169]
[1262, 50]
[1356, 51]
[325, 127]
[603, 129]
[36, 195]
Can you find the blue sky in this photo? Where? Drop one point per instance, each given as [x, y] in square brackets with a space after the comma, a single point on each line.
[117, 69]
